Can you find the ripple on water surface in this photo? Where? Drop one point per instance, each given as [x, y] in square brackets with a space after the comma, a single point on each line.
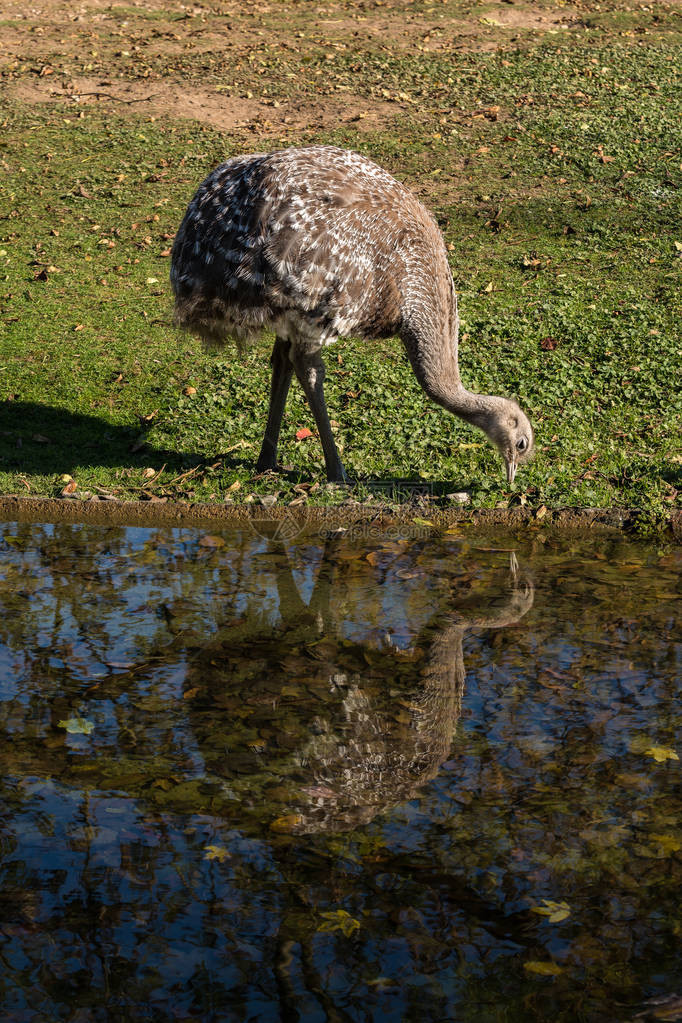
[348, 778]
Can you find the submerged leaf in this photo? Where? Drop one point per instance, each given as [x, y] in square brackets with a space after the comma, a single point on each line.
[287, 823]
[77, 726]
[545, 969]
[661, 753]
[668, 843]
[554, 911]
[216, 852]
[339, 920]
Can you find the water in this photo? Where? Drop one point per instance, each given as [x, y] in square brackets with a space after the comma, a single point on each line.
[405, 778]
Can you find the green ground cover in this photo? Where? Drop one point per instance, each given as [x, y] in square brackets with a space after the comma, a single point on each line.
[554, 171]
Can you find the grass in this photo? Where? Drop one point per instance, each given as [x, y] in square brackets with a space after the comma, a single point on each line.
[554, 170]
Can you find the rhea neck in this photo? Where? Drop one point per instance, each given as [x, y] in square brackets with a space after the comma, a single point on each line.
[430, 335]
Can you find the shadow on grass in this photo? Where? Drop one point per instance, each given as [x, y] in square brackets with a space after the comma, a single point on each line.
[42, 440]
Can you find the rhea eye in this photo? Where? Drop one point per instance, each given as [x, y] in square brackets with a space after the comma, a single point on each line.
[521, 444]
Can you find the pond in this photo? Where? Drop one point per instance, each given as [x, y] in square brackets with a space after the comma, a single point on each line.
[356, 776]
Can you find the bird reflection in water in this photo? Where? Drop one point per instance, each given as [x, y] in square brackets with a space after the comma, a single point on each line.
[353, 722]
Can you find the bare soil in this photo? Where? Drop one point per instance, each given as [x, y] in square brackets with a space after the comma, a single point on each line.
[163, 98]
[121, 56]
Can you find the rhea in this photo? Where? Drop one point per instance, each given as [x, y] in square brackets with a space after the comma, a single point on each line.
[319, 243]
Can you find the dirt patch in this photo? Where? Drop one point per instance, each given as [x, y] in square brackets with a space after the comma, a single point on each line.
[575, 520]
[162, 98]
[530, 18]
[159, 58]
[169, 27]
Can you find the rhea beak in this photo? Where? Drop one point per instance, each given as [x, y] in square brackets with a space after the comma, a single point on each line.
[511, 470]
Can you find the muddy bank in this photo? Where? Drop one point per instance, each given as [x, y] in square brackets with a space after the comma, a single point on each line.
[294, 520]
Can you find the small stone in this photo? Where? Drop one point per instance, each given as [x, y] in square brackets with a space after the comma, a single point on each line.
[268, 500]
[459, 497]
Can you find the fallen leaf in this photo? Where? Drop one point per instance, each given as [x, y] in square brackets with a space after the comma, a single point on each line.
[287, 823]
[165, 784]
[661, 753]
[70, 487]
[216, 852]
[77, 726]
[189, 391]
[304, 433]
[668, 843]
[545, 969]
[339, 920]
[554, 911]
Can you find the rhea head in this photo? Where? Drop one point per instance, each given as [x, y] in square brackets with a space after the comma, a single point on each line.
[509, 429]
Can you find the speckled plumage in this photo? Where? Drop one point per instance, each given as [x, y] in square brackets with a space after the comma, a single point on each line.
[315, 244]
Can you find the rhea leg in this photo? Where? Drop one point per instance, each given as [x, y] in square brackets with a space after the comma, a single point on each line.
[310, 370]
[282, 371]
